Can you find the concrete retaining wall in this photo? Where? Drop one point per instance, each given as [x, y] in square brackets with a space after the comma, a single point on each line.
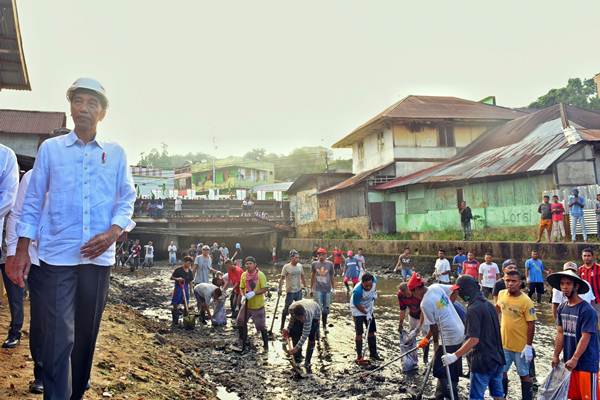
[551, 253]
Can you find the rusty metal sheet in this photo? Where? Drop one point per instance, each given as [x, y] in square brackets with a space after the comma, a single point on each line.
[31, 122]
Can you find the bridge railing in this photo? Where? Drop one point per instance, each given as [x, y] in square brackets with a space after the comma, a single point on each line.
[264, 209]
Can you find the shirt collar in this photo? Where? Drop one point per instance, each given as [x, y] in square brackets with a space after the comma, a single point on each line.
[72, 138]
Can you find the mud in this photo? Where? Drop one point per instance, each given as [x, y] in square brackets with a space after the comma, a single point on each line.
[258, 375]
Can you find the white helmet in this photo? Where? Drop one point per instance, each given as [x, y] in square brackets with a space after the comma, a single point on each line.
[89, 84]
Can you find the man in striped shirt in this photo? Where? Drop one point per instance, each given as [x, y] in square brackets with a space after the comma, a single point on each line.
[590, 272]
[304, 323]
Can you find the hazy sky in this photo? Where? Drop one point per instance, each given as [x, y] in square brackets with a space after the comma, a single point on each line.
[282, 74]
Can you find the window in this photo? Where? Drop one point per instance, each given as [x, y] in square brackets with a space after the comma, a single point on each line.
[446, 136]
[361, 151]
[380, 142]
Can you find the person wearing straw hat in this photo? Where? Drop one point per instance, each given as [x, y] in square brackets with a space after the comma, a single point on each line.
[576, 336]
[558, 297]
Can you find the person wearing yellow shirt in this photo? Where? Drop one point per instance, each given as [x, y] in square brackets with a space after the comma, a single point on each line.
[253, 286]
[517, 328]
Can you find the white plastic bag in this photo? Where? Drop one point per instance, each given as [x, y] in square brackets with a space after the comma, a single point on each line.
[556, 384]
[408, 342]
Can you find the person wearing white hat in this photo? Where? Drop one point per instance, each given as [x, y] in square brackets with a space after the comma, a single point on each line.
[79, 201]
[576, 336]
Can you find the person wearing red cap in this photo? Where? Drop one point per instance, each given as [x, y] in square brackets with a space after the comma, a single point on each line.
[322, 284]
[338, 260]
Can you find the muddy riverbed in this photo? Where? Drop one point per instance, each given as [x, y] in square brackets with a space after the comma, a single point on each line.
[259, 375]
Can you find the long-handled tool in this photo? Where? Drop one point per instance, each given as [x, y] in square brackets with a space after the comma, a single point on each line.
[271, 336]
[189, 320]
[364, 374]
[448, 375]
[419, 395]
[290, 357]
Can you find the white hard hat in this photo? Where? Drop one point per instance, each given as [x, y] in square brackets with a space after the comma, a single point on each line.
[89, 84]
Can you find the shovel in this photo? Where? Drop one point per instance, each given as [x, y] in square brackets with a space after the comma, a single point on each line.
[290, 357]
[364, 374]
[419, 395]
[271, 336]
[189, 320]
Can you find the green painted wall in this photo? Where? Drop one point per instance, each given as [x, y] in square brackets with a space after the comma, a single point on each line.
[506, 203]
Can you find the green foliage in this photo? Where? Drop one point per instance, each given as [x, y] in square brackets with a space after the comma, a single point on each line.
[163, 160]
[578, 93]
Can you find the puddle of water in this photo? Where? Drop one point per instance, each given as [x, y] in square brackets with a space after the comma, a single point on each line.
[223, 394]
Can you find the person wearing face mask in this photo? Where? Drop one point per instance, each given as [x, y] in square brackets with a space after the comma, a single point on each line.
[483, 343]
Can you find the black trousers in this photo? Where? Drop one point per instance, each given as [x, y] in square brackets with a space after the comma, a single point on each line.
[15, 303]
[36, 319]
[71, 302]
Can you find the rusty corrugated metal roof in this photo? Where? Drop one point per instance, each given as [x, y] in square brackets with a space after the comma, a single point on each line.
[529, 144]
[305, 178]
[31, 122]
[430, 108]
[13, 69]
[355, 180]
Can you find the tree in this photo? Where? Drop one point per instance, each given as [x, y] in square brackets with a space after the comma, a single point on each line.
[577, 93]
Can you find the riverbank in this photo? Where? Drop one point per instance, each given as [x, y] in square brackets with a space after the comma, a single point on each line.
[133, 360]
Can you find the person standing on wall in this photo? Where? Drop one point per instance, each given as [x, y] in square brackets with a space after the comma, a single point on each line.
[465, 219]
[558, 223]
[545, 211]
[576, 206]
[82, 194]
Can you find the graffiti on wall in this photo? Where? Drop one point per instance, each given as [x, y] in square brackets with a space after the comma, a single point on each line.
[306, 206]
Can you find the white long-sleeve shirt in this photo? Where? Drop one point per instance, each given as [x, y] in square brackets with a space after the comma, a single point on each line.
[11, 223]
[9, 182]
[77, 190]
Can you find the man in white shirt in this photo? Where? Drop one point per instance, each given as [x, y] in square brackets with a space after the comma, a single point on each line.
[149, 255]
[488, 275]
[178, 207]
[172, 249]
[442, 268]
[79, 201]
[9, 180]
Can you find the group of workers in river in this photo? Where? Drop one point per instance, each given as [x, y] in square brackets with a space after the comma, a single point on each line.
[492, 334]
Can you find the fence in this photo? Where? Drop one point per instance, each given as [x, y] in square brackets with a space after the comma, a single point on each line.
[589, 193]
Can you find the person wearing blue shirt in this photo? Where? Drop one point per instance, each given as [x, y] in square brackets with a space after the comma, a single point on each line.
[352, 271]
[458, 260]
[79, 200]
[576, 206]
[362, 306]
[534, 272]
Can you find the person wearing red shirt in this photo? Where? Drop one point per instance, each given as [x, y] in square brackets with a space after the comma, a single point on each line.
[338, 260]
[471, 266]
[558, 215]
[590, 271]
[232, 280]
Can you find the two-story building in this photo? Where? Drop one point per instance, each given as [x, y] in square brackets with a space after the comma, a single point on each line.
[233, 176]
[416, 133]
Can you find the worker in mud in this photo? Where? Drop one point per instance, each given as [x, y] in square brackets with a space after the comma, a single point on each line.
[517, 328]
[207, 294]
[82, 194]
[352, 271]
[362, 305]
[322, 284]
[483, 342]
[183, 277]
[447, 328]
[231, 280]
[253, 286]
[576, 336]
[304, 324]
[293, 275]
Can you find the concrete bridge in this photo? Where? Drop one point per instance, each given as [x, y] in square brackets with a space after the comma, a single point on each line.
[208, 221]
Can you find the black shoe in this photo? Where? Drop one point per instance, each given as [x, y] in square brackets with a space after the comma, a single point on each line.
[36, 387]
[10, 343]
[376, 357]
[308, 369]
